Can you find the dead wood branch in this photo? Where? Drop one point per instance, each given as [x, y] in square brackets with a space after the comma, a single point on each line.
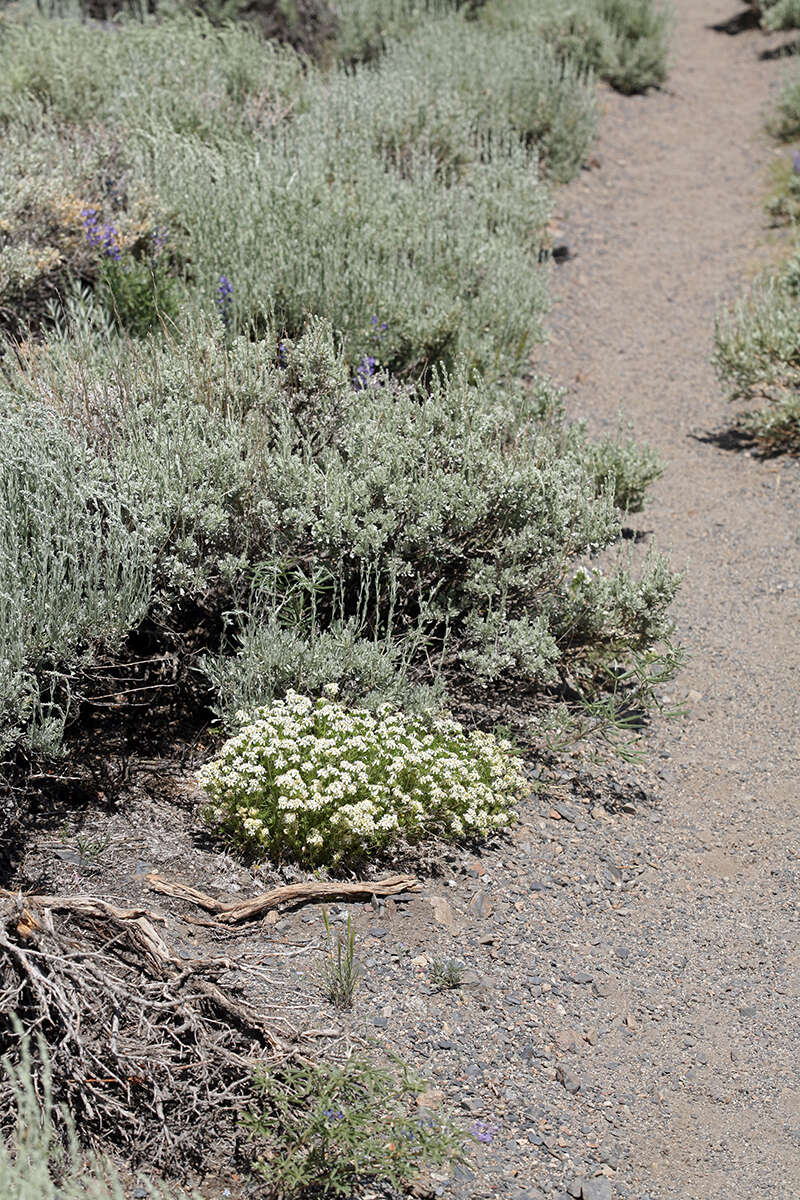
[148, 1050]
[296, 893]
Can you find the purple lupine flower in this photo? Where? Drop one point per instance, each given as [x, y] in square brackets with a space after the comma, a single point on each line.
[105, 238]
[378, 328]
[364, 371]
[282, 361]
[90, 218]
[224, 299]
[796, 161]
[110, 243]
[158, 240]
[333, 1114]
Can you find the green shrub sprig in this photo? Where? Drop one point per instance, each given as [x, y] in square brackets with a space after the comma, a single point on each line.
[323, 1130]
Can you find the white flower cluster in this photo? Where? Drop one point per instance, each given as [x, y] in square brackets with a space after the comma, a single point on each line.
[318, 782]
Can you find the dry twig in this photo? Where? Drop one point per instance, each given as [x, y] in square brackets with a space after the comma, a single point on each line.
[295, 893]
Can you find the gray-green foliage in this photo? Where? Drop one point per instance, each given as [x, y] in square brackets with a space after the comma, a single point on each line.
[37, 1163]
[457, 514]
[446, 974]
[232, 84]
[72, 568]
[625, 41]
[779, 14]
[341, 970]
[320, 225]
[785, 122]
[281, 648]
[301, 210]
[628, 467]
[365, 536]
[454, 85]
[757, 353]
[327, 1129]
[366, 27]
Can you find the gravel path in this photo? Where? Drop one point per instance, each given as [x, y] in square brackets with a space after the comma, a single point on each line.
[667, 226]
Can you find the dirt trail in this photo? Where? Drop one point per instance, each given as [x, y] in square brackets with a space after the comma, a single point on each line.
[661, 232]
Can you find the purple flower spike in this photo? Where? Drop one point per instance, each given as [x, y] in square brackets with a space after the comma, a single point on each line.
[224, 299]
[105, 238]
[796, 161]
[364, 371]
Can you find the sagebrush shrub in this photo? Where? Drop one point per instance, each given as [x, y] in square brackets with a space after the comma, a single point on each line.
[784, 122]
[366, 27]
[321, 783]
[757, 353]
[300, 210]
[73, 571]
[181, 75]
[453, 85]
[381, 537]
[625, 41]
[778, 14]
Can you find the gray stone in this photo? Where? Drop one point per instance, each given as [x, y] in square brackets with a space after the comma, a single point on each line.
[481, 905]
[565, 812]
[607, 1153]
[602, 987]
[568, 1079]
[69, 856]
[596, 1189]
[575, 1188]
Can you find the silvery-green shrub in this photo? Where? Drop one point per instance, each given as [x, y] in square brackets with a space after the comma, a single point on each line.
[779, 14]
[453, 79]
[443, 525]
[625, 41]
[756, 354]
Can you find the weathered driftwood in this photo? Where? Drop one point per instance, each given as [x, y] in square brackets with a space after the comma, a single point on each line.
[231, 913]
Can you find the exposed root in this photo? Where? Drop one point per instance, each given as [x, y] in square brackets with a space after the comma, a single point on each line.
[149, 1052]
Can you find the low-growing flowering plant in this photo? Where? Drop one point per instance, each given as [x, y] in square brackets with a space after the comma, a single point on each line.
[318, 782]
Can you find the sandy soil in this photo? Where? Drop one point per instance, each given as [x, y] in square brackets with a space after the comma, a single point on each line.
[661, 232]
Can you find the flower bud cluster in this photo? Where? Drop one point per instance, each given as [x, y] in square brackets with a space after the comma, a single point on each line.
[322, 783]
